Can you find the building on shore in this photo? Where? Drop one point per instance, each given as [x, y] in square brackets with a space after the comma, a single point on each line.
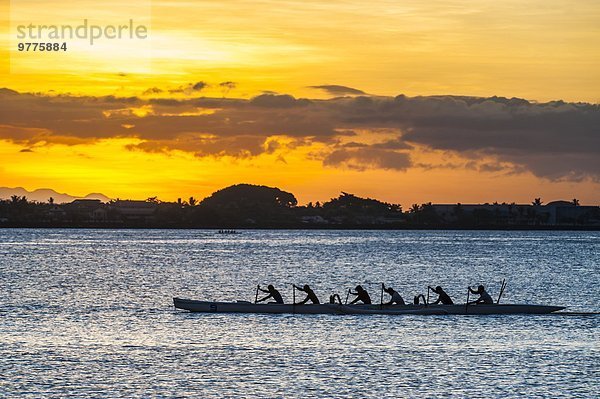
[131, 210]
[87, 210]
[555, 213]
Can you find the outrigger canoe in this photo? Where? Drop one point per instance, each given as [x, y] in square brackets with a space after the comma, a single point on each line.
[326, 308]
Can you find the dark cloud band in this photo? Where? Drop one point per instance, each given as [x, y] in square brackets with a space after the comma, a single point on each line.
[555, 140]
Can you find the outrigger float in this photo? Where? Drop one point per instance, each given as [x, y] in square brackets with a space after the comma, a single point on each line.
[342, 309]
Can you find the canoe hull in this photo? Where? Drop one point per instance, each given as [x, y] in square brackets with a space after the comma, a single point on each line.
[248, 307]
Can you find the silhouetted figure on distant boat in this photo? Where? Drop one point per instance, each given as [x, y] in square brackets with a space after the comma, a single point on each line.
[484, 297]
[443, 297]
[273, 293]
[361, 295]
[396, 298]
[310, 295]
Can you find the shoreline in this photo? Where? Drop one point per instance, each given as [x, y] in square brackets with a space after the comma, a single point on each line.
[240, 229]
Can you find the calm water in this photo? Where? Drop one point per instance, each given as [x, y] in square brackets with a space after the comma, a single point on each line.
[88, 313]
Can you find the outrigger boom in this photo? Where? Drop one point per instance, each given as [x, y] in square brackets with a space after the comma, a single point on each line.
[340, 309]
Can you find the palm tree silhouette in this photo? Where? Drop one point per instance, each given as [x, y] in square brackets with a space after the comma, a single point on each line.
[415, 208]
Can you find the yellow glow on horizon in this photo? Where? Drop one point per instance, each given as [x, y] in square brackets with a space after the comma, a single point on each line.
[108, 167]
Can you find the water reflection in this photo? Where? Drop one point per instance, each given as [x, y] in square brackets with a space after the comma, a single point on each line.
[88, 314]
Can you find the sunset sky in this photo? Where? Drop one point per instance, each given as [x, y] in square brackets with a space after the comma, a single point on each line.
[404, 101]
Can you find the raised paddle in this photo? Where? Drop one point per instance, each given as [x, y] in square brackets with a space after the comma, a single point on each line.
[501, 290]
[467, 304]
[347, 295]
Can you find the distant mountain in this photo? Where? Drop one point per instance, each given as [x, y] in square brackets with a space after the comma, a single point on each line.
[43, 194]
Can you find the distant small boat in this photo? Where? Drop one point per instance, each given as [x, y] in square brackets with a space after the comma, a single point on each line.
[228, 232]
[326, 308]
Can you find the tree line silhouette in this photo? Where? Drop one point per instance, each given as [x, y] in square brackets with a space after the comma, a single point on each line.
[251, 206]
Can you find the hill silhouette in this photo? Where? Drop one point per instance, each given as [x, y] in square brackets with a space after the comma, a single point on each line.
[43, 194]
[246, 205]
[249, 196]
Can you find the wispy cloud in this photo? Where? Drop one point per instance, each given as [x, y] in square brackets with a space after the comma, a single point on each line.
[338, 90]
[190, 88]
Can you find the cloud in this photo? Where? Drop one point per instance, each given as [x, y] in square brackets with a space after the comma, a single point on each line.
[491, 167]
[8, 92]
[394, 144]
[226, 87]
[368, 157]
[236, 146]
[199, 86]
[152, 90]
[278, 101]
[190, 88]
[554, 140]
[338, 90]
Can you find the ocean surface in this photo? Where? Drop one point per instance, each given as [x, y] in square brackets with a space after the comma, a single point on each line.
[88, 314]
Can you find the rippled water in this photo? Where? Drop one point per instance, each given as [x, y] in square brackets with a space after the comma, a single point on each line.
[88, 313]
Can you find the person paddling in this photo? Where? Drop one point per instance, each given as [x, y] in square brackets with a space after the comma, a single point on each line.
[273, 293]
[361, 295]
[395, 297]
[443, 297]
[484, 297]
[310, 295]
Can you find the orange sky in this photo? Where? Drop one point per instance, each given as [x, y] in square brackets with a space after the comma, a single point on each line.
[443, 149]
